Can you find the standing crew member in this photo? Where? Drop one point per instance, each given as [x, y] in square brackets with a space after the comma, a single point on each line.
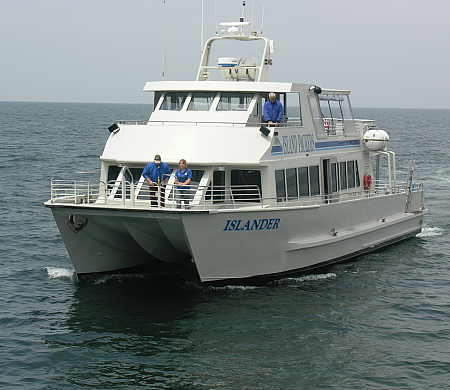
[156, 175]
[273, 110]
[183, 177]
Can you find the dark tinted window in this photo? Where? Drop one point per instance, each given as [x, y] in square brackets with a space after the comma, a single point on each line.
[357, 174]
[350, 174]
[333, 167]
[113, 172]
[219, 186]
[303, 181]
[249, 184]
[314, 180]
[280, 185]
[343, 175]
[291, 180]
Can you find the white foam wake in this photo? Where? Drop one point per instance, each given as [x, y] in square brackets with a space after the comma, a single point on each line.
[308, 278]
[430, 231]
[54, 272]
[232, 287]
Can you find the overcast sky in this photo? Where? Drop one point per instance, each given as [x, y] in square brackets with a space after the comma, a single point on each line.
[390, 53]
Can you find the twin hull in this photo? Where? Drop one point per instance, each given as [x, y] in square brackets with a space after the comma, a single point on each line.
[227, 246]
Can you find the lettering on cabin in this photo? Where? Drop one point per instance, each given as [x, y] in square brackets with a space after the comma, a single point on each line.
[297, 143]
[262, 224]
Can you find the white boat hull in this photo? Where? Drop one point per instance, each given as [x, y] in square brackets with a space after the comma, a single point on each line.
[265, 244]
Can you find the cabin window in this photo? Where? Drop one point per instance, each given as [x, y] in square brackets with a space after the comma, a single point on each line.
[280, 185]
[216, 189]
[291, 182]
[348, 175]
[314, 180]
[333, 177]
[303, 181]
[234, 102]
[201, 101]
[130, 175]
[351, 174]
[343, 175]
[173, 101]
[218, 186]
[246, 185]
[113, 173]
[357, 174]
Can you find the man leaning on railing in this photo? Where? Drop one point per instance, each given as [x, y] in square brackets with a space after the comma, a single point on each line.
[273, 110]
[156, 175]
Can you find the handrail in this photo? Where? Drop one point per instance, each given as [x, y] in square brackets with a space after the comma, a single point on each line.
[203, 197]
[295, 122]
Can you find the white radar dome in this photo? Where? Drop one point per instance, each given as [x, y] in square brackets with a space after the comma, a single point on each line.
[376, 139]
[227, 62]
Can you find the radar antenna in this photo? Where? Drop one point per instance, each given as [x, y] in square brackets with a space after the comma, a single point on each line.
[164, 54]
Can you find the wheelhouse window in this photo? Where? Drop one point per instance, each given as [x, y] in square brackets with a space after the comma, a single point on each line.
[293, 110]
[234, 101]
[173, 101]
[201, 101]
[335, 110]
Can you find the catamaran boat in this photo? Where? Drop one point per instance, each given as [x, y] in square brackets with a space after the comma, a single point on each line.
[266, 200]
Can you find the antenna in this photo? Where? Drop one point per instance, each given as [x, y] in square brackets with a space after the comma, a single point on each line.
[215, 16]
[203, 20]
[252, 12]
[243, 16]
[262, 15]
[164, 54]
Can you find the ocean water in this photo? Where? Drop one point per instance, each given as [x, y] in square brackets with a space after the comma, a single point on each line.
[380, 322]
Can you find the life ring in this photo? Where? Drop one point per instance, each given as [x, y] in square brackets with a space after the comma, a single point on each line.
[76, 222]
[367, 182]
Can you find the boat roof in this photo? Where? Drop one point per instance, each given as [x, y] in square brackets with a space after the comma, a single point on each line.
[234, 86]
[224, 86]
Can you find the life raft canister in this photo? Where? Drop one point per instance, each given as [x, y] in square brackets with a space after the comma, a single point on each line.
[367, 182]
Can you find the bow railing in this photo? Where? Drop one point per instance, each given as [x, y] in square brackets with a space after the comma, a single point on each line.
[174, 196]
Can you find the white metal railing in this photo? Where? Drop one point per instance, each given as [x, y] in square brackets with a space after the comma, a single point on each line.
[128, 195]
[289, 122]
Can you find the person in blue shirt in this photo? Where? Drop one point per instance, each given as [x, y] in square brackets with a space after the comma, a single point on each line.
[156, 175]
[273, 110]
[183, 177]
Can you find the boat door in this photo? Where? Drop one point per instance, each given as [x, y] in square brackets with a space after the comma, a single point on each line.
[329, 179]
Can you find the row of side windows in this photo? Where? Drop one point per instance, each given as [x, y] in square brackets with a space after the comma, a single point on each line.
[293, 183]
[348, 175]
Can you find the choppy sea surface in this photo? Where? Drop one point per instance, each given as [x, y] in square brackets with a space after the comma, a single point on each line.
[380, 322]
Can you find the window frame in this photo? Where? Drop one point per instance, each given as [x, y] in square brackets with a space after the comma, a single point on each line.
[163, 97]
[236, 94]
[212, 105]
